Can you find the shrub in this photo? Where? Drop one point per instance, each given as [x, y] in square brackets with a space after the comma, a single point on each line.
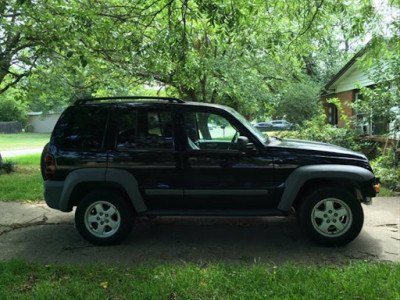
[386, 169]
[7, 166]
[316, 129]
[12, 110]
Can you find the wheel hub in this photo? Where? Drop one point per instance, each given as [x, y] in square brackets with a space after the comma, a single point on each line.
[102, 219]
[331, 217]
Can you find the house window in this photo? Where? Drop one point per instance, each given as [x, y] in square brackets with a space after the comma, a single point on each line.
[363, 120]
[367, 123]
[332, 114]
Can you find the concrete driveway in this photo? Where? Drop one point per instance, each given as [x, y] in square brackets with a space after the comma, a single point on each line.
[37, 233]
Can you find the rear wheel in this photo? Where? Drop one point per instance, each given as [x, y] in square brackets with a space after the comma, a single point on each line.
[331, 216]
[104, 218]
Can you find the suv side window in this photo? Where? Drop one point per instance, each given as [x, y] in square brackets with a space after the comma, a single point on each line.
[155, 129]
[126, 130]
[143, 129]
[81, 129]
[208, 131]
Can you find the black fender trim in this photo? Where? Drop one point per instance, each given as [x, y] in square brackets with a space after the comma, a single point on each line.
[129, 183]
[119, 177]
[301, 175]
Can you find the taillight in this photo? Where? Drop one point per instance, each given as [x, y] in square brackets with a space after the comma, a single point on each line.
[50, 163]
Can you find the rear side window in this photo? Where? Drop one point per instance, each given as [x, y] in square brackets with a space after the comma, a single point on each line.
[126, 129]
[81, 129]
[143, 129]
[155, 130]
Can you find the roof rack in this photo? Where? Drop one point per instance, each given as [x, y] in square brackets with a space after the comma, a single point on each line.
[169, 99]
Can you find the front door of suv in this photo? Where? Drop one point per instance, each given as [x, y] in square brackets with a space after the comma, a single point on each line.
[217, 175]
[142, 143]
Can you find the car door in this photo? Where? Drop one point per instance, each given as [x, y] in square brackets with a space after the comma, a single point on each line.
[143, 144]
[217, 175]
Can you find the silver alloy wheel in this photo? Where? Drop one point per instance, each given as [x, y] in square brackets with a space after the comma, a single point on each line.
[331, 217]
[102, 219]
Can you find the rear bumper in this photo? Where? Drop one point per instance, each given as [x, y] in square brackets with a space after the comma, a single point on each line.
[52, 193]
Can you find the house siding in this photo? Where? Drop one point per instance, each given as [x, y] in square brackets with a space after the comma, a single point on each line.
[354, 79]
[43, 123]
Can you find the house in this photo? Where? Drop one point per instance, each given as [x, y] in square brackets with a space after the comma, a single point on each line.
[42, 123]
[345, 86]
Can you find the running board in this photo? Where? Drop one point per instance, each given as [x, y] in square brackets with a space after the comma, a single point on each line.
[221, 212]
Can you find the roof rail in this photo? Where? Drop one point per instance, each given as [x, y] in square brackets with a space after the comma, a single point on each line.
[169, 99]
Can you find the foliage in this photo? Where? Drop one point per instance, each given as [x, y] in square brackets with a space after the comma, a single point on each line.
[381, 62]
[7, 167]
[317, 129]
[27, 33]
[298, 103]
[11, 110]
[386, 169]
[244, 54]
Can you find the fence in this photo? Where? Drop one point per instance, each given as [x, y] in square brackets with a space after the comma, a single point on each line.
[10, 127]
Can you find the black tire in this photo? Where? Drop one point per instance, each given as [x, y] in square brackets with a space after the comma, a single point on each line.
[104, 218]
[331, 216]
[42, 164]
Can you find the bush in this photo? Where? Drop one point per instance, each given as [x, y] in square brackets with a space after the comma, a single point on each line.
[347, 137]
[12, 110]
[386, 169]
[7, 167]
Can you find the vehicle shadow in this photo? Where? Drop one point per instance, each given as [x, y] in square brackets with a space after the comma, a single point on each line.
[184, 239]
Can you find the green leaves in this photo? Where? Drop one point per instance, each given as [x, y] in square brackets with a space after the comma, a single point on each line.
[241, 53]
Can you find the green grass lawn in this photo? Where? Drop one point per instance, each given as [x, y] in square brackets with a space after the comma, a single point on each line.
[25, 183]
[24, 140]
[22, 280]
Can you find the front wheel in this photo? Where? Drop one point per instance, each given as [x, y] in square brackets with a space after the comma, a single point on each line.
[331, 216]
[104, 218]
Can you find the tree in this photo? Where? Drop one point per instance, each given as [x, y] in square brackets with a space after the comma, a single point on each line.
[381, 62]
[12, 110]
[233, 52]
[245, 54]
[26, 31]
[298, 103]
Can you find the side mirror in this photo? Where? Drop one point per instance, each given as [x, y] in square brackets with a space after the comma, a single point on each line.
[244, 145]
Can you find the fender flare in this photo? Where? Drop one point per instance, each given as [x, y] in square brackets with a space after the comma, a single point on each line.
[122, 178]
[301, 175]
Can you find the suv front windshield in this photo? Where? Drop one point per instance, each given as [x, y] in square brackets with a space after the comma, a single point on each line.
[261, 136]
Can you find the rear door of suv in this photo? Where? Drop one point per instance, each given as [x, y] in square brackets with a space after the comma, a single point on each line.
[142, 142]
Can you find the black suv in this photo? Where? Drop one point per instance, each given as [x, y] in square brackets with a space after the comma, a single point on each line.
[118, 158]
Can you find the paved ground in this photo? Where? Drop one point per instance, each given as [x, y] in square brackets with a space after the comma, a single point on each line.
[37, 233]
[12, 153]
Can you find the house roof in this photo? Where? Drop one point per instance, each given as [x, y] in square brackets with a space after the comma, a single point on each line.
[347, 66]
